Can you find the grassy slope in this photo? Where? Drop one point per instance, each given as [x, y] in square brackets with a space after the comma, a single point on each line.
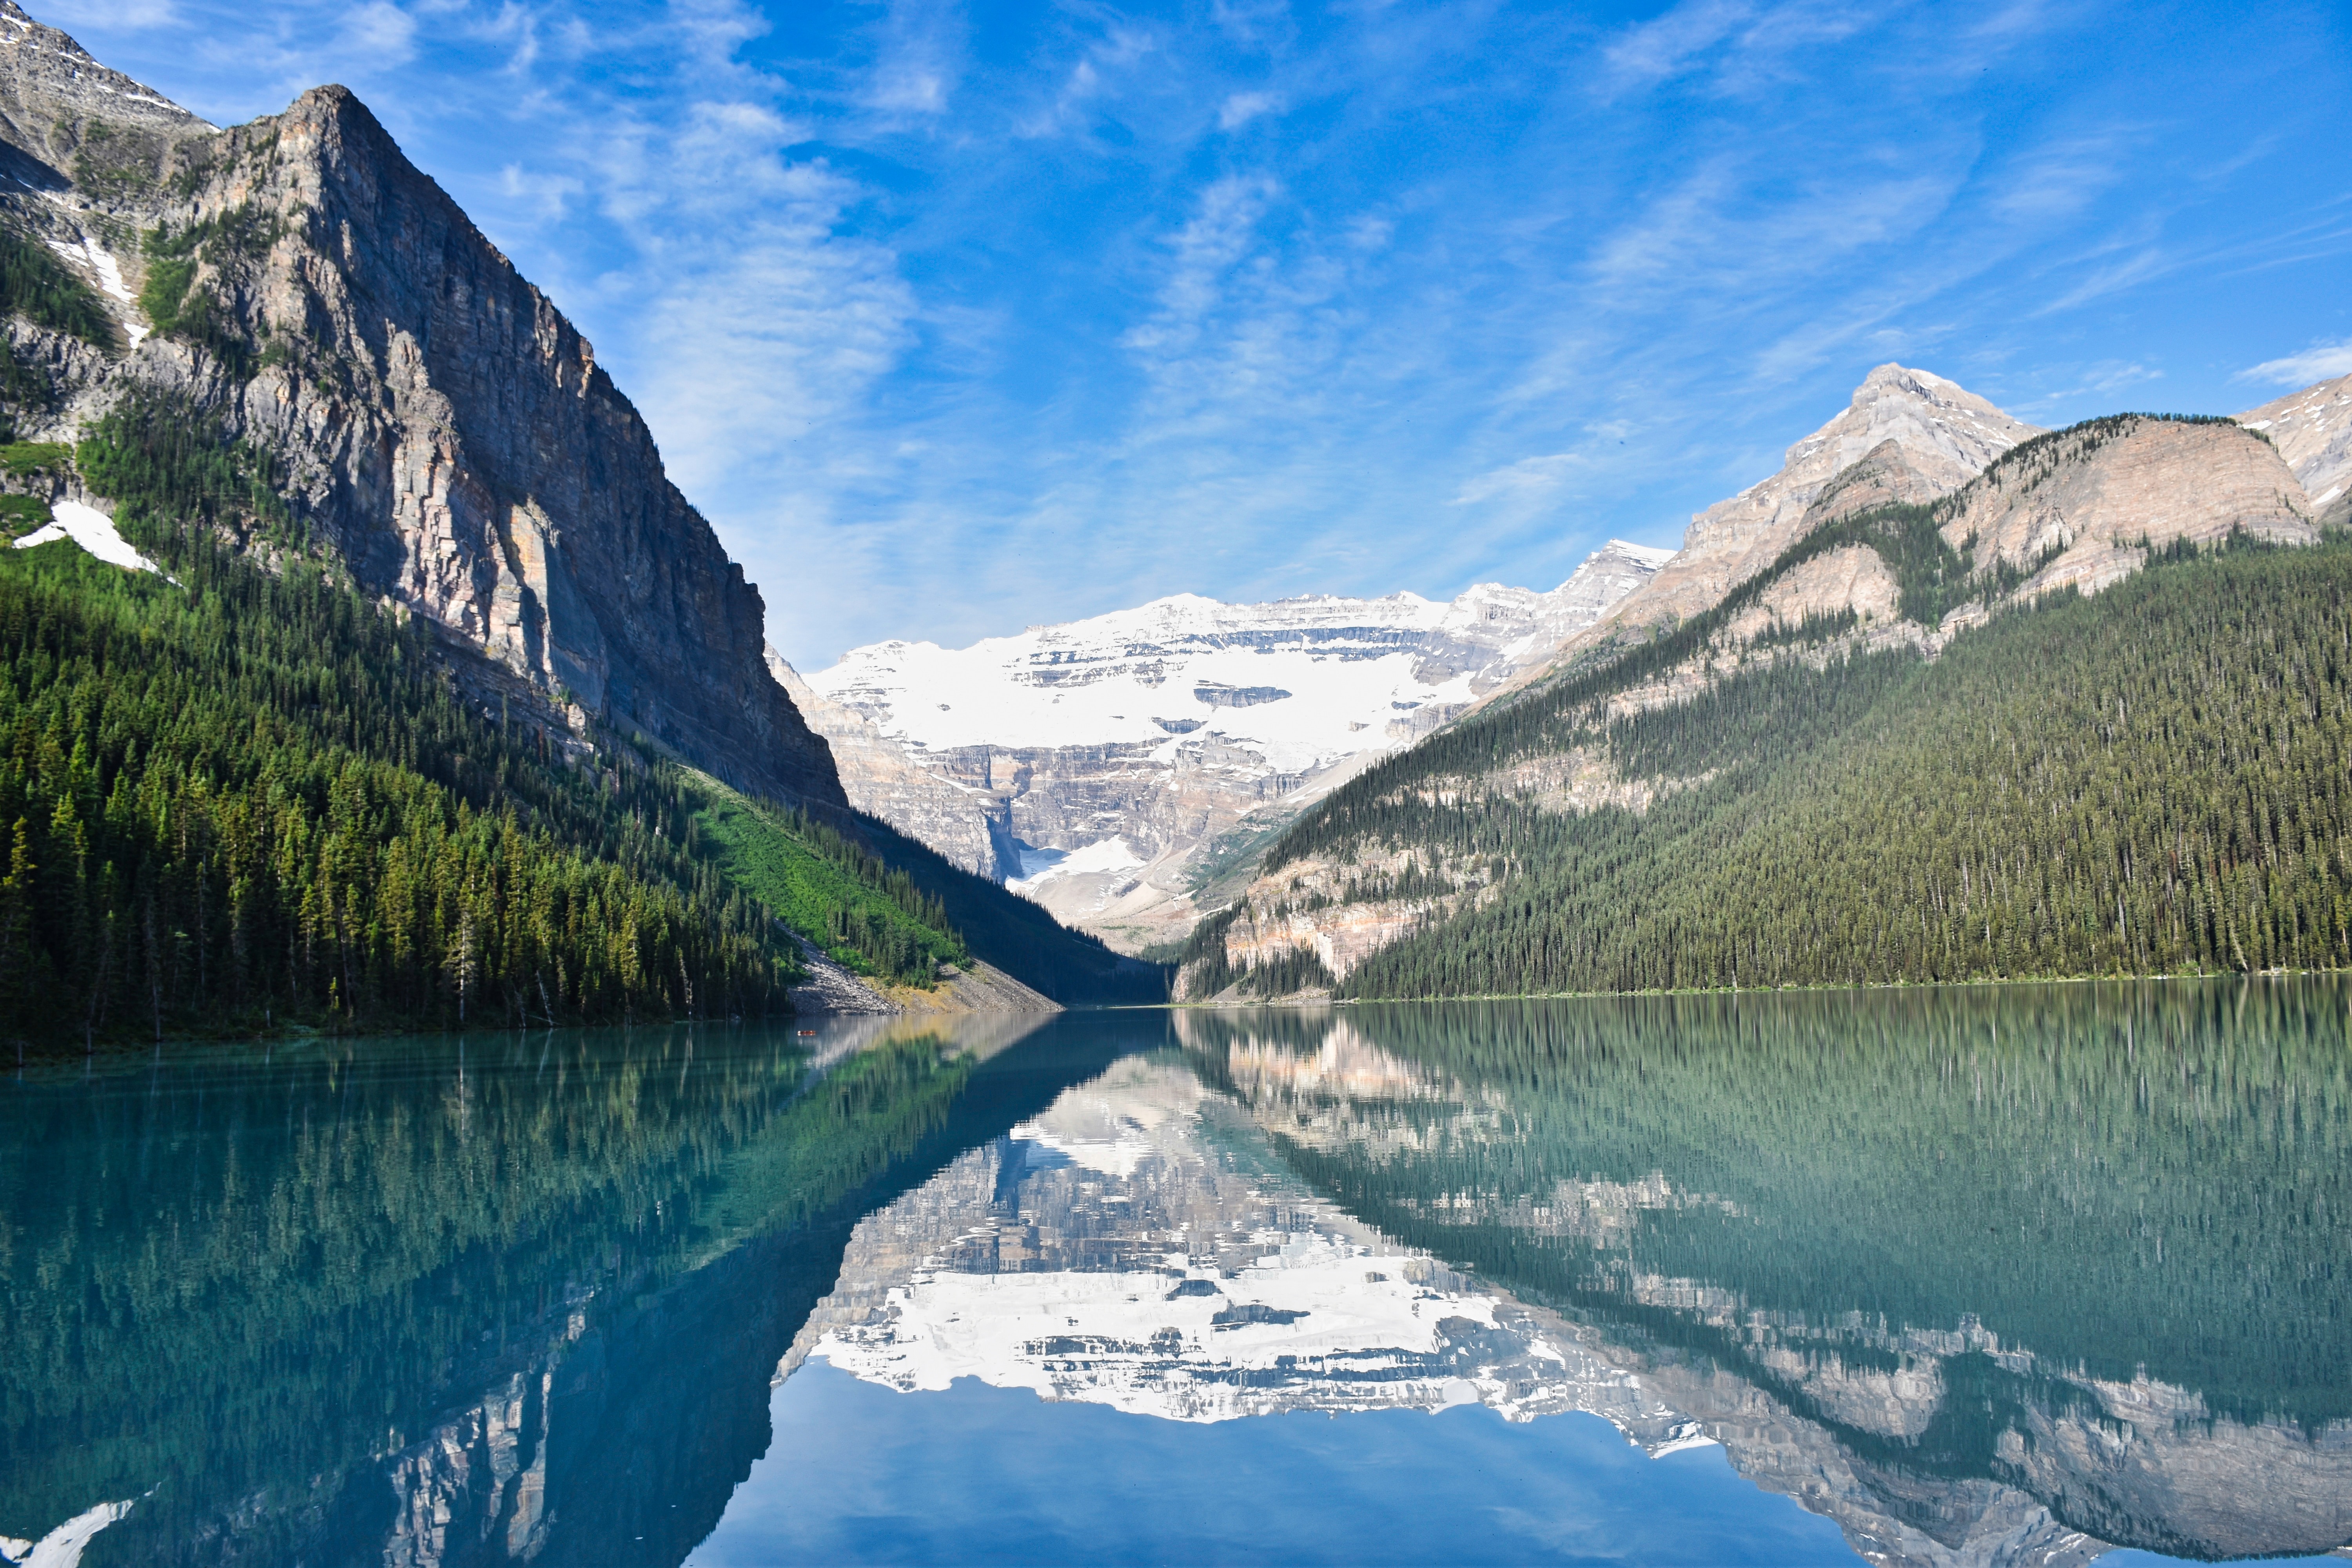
[755, 848]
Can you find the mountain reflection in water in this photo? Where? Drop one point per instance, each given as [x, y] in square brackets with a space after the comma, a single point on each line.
[1984, 1276]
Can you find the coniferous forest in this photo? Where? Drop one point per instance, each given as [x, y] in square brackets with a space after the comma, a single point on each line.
[2151, 780]
[244, 797]
[236, 797]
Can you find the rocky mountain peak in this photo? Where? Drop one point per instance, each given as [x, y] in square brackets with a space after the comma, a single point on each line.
[1941, 432]
[440, 423]
[1905, 435]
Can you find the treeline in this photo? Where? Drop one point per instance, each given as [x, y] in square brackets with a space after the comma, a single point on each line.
[244, 798]
[1019, 935]
[254, 800]
[2154, 780]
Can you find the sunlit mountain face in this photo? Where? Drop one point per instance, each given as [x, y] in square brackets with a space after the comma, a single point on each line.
[1982, 1276]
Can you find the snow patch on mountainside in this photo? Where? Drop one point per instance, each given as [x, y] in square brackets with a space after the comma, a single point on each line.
[1107, 752]
[2313, 432]
[93, 530]
[1042, 866]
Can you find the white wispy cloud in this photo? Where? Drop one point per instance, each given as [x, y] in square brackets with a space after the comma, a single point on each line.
[918, 60]
[1736, 46]
[976, 318]
[1241, 108]
[1527, 478]
[2321, 361]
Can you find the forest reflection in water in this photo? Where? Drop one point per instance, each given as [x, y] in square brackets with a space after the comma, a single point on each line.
[1986, 1275]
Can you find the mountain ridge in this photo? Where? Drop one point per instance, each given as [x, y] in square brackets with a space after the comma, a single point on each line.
[430, 410]
[1101, 760]
[278, 364]
[1858, 593]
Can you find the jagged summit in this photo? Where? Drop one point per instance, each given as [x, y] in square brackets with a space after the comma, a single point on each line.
[441, 424]
[1924, 436]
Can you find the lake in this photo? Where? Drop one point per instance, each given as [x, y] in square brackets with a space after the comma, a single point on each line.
[1989, 1275]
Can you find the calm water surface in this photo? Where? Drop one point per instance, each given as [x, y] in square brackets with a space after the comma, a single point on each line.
[1990, 1275]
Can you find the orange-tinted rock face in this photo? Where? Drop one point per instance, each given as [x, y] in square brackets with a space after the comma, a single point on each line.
[1853, 578]
[2075, 508]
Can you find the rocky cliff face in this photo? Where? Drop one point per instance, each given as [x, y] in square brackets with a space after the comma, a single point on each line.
[2313, 432]
[440, 422]
[2078, 507]
[1104, 759]
[1907, 436]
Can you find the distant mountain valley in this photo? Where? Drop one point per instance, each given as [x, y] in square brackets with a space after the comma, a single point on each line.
[1131, 771]
[1109, 768]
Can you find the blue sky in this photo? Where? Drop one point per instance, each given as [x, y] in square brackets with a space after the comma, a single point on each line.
[954, 317]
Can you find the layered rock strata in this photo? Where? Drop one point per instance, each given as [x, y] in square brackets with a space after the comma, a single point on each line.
[2313, 432]
[435, 420]
[2081, 507]
[1907, 436]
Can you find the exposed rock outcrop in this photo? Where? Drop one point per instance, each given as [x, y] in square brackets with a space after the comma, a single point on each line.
[2313, 432]
[439, 422]
[1103, 761]
[62, 112]
[973, 988]
[967, 826]
[2077, 506]
[1907, 436]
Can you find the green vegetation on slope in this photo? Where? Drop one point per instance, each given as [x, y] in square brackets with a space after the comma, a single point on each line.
[248, 798]
[2153, 780]
[1931, 576]
[825, 887]
[176, 305]
[36, 285]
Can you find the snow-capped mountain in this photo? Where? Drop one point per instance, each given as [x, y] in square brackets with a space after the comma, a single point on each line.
[1106, 755]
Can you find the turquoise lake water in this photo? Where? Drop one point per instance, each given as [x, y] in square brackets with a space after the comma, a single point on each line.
[1989, 1275]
